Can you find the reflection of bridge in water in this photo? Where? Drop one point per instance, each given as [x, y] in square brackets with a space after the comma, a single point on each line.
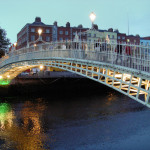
[126, 69]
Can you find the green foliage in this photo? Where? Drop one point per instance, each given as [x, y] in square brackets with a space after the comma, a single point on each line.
[4, 42]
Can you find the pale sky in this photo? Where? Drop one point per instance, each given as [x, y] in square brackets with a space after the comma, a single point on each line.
[14, 14]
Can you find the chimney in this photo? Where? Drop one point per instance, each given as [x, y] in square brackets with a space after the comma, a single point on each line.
[80, 26]
[55, 23]
[95, 26]
[68, 24]
[37, 19]
[110, 30]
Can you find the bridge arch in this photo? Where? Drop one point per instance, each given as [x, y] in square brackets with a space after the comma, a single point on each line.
[127, 81]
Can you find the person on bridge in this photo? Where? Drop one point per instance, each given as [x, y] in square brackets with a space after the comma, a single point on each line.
[119, 53]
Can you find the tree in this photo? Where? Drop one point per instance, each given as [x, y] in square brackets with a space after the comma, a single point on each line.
[4, 42]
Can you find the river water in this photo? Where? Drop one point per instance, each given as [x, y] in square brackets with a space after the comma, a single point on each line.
[76, 119]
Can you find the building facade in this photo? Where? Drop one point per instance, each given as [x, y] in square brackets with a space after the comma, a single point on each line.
[133, 39]
[121, 38]
[144, 42]
[29, 33]
[110, 36]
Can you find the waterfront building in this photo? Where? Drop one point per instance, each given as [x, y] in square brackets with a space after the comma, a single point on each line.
[110, 36]
[121, 38]
[94, 35]
[29, 32]
[145, 41]
[133, 39]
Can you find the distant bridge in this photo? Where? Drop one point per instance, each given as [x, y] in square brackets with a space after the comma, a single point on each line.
[125, 68]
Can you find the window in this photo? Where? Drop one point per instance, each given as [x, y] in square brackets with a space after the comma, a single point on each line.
[60, 39]
[123, 38]
[89, 35]
[94, 35]
[32, 30]
[66, 39]
[60, 32]
[47, 38]
[113, 36]
[109, 36]
[118, 37]
[47, 31]
[66, 32]
[74, 33]
[32, 38]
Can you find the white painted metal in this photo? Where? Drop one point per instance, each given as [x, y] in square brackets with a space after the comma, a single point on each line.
[128, 74]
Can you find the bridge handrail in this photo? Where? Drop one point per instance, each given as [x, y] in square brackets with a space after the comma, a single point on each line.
[114, 53]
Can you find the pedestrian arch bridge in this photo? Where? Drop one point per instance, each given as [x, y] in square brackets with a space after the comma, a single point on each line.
[109, 64]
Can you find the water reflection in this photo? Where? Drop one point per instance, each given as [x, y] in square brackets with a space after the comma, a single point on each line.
[24, 131]
[6, 116]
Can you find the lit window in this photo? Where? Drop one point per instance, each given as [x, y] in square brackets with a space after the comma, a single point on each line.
[47, 31]
[66, 32]
[32, 38]
[47, 38]
[60, 32]
[32, 30]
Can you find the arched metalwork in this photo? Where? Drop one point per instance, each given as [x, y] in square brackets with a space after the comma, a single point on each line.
[100, 62]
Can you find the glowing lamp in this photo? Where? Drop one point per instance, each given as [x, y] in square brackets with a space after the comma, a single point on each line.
[41, 67]
[15, 44]
[92, 16]
[8, 76]
[40, 31]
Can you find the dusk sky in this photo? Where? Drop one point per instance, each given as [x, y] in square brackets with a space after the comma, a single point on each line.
[14, 14]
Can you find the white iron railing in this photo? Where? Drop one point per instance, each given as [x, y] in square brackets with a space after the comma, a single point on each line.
[127, 55]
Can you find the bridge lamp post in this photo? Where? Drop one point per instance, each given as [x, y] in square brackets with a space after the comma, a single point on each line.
[1, 77]
[8, 76]
[41, 67]
[15, 45]
[92, 18]
[40, 32]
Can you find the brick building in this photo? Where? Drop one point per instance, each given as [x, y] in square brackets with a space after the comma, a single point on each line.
[29, 32]
[121, 38]
[133, 39]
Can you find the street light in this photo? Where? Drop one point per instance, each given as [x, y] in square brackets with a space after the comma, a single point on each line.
[15, 45]
[1, 77]
[92, 17]
[41, 67]
[8, 76]
[40, 32]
